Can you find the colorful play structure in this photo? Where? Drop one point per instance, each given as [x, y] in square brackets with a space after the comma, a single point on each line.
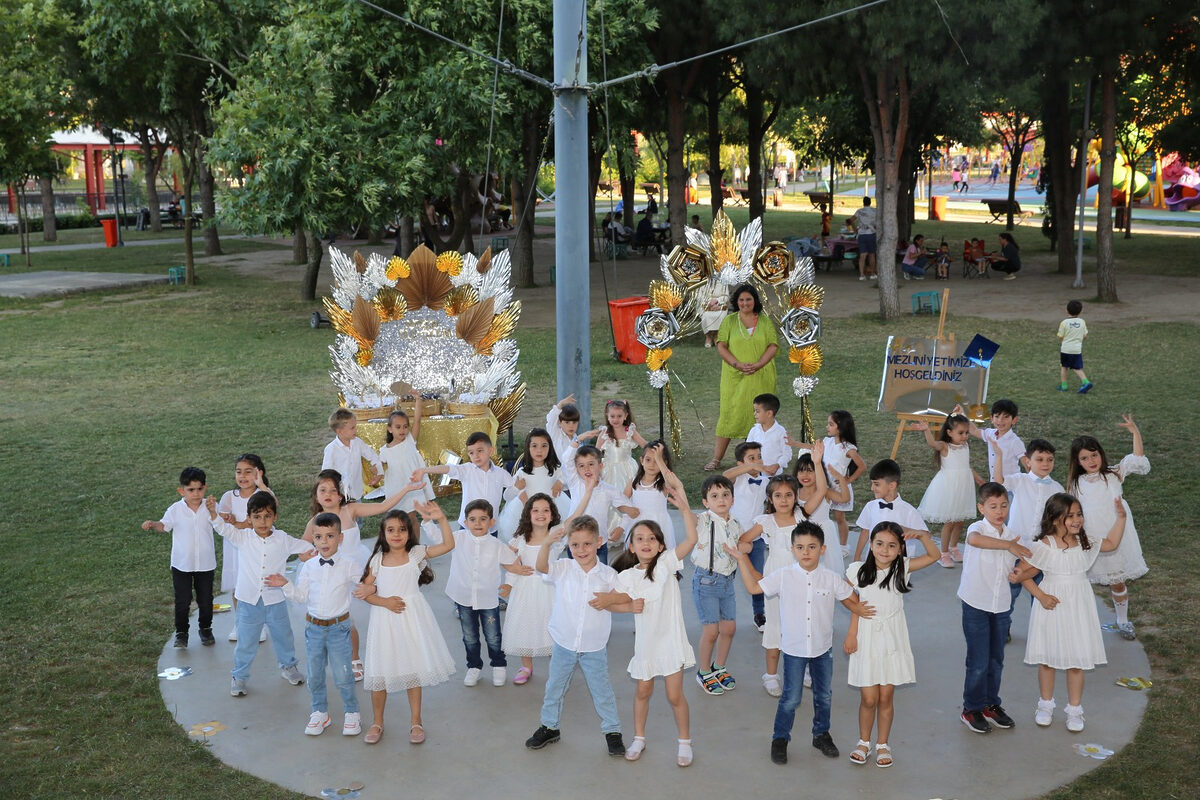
[1172, 184]
[1184, 192]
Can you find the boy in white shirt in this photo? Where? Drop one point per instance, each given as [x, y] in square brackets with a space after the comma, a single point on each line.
[193, 556]
[887, 507]
[1071, 333]
[562, 422]
[770, 434]
[262, 551]
[346, 454]
[1029, 492]
[807, 592]
[992, 550]
[474, 585]
[712, 584]
[480, 478]
[1004, 418]
[584, 590]
[749, 500]
[323, 585]
[593, 497]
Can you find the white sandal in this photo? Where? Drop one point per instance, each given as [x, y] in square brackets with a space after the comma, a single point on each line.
[862, 750]
[883, 751]
[634, 751]
[684, 759]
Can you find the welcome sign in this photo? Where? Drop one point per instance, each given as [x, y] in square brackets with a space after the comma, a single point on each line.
[929, 376]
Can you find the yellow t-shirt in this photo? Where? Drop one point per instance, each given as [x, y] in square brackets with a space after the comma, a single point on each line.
[1072, 330]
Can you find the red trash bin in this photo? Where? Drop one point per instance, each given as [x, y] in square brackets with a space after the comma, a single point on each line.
[110, 232]
[624, 313]
[938, 209]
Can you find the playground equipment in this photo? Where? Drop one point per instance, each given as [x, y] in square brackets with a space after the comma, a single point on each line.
[1184, 193]
[1121, 174]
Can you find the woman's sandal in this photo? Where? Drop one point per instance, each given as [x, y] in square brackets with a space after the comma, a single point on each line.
[372, 737]
[861, 752]
[356, 666]
[883, 755]
[635, 750]
[712, 465]
[684, 758]
[416, 734]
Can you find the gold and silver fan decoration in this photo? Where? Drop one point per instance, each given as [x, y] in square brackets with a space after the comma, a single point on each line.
[440, 324]
[721, 261]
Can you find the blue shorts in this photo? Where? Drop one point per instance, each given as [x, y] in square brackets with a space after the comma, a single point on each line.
[714, 596]
[1071, 360]
[866, 243]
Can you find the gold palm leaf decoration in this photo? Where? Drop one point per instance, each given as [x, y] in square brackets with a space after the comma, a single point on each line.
[339, 317]
[360, 263]
[390, 304]
[397, 268]
[809, 358]
[807, 296]
[726, 252]
[503, 324]
[366, 322]
[505, 408]
[475, 322]
[665, 296]
[425, 286]
[460, 299]
[449, 262]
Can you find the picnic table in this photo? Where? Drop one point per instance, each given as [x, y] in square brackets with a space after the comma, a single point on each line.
[999, 207]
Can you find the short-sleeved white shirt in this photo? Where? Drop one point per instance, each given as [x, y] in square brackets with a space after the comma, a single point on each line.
[1072, 331]
[475, 570]
[575, 625]
[258, 558]
[1014, 448]
[325, 589]
[984, 583]
[192, 548]
[864, 220]
[478, 484]
[347, 460]
[605, 496]
[806, 601]
[749, 495]
[1029, 496]
[902, 513]
[774, 447]
[564, 447]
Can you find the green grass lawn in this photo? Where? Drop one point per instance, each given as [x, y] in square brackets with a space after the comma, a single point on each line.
[106, 401]
[88, 236]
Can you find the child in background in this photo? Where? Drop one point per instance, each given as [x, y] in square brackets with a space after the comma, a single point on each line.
[941, 262]
[987, 608]
[473, 585]
[880, 653]
[841, 457]
[347, 452]
[749, 498]
[193, 556]
[263, 550]
[323, 586]
[886, 507]
[531, 599]
[814, 498]
[538, 472]
[807, 592]
[660, 644]
[580, 624]
[401, 458]
[593, 497]
[480, 478]
[950, 496]
[562, 421]
[1029, 492]
[776, 454]
[1004, 418]
[1071, 333]
[712, 584]
[405, 648]
[617, 439]
[1064, 628]
[249, 476]
[648, 493]
[1096, 484]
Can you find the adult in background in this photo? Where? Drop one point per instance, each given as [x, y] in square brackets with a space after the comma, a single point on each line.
[915, 262]
[1009, 258]
[864, 221]
[747, 342]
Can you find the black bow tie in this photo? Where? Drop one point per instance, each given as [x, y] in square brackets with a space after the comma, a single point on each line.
[885, 505]
[325, 561]
[755, 481]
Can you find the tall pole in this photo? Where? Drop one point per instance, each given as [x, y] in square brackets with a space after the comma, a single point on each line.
[571, 229]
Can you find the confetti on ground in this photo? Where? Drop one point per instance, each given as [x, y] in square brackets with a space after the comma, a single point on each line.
[219, 608]
[175, 673]
[1136, 684]
[1096, 751]
[206, 729]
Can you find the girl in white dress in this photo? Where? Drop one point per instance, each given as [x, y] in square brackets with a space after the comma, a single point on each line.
[538, 472]
[327, 497]
[405, 648]
[880, 654]
[660, 644]
[249, 476]
[1064, 627]
[648, 493]
[616, 441]
[841, 451]
[526, 630]
[1096, 484]
[950, 497]
[401, 458]
[823, 487]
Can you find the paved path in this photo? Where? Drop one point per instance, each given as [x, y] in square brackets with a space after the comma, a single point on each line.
[59, 282]
[476, 735]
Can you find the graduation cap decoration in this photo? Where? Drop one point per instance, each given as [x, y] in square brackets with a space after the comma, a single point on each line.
[981, 351]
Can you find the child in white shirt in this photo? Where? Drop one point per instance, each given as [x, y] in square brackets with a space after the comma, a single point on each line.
[887, 507]
[480, 478]
[750, 478]
[592, 497]
[770, 434]
[347, 452]
[1004, 418]
[712, 584]
[562, 422]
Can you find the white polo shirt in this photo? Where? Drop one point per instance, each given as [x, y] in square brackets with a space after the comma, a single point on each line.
[347, 460]
[575, 625]
[325, 588]
[478, 484]
[984, 583]
[475, 571]
[1014, 448]
[192, 548]
[258, 558]
[806, 601]
[774, 447]
[1029, 496]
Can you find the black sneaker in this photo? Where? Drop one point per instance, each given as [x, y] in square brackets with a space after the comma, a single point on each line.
[996, 716]
[542, 737]
[616, 745]
[825, 744]
[760, 622]
[181, 640]
[206, 637]
[779, 751]
[976, 722]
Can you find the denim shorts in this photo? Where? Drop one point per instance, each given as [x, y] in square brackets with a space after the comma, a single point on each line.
[714, 597]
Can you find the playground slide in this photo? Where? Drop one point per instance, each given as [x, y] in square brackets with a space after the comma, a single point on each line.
[1141, 183]
[1182, 198]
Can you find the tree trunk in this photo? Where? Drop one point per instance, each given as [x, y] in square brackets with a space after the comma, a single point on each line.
[905, 180]
[523, 188]
[23, 223]
[49, 220]
[1059, 132]
[462, 224]
[676, 176]
[312, 270]
[1106, 277]
[754, 127]
[1016, 150]
[404, 237]
[299, 246]
[208, 205]
[889, 126]
[627, 178]
[595, 164]
[151, 162]
[715, 172]
[189, 254]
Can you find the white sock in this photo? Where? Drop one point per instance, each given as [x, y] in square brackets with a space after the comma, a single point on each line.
[1121, 606]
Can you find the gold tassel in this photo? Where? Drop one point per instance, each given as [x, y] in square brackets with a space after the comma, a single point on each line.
[673, 423]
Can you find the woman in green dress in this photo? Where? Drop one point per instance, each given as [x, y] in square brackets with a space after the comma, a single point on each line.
[747, 343]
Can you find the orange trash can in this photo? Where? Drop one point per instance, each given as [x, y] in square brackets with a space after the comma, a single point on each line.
[624, 313]
[110, 232]
[938, 207]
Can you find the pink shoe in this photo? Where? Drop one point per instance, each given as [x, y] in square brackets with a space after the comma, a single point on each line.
[946, 561]
[522, 677]
[956, 554]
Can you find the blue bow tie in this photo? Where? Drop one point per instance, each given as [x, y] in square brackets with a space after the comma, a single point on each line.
[1045, 481]
[885, 505]
[755, 481]
[325, 561]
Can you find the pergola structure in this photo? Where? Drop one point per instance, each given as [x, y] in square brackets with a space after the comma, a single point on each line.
[95, 148]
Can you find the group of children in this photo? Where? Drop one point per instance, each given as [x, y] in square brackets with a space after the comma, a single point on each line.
[775, 524]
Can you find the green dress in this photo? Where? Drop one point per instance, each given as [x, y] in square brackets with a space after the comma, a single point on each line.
[738, 390]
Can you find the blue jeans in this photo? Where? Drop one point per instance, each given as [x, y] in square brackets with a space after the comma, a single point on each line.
[820, 668]
[250, 619]
[758, 559]
[329, 644]
[917, 268]
[595, 673]
[471, 621]
[985, 633]
[715, 598]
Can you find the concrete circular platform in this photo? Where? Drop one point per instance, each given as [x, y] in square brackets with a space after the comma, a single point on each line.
[476, 736]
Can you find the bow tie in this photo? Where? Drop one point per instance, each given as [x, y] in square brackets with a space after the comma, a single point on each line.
[755, 481]
[885, 505]
[1046, 481]
[325, 561]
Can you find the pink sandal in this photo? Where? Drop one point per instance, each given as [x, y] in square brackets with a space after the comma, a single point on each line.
[522, 677]
[416, 734]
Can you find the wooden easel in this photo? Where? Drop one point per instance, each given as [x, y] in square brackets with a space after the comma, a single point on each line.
[935, 420]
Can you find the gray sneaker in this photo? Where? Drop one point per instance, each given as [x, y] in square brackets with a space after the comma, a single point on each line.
[291, 675]
[237, 688]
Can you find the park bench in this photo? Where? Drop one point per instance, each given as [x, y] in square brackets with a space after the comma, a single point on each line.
[1000, 208]
[739, 196]
[817, 198]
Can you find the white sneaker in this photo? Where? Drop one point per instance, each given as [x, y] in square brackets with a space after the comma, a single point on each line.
[317, 723]
[807, 679]
[472, 677]
[262, 635]
[291, 675]
[352, 725]
[1045, 713]
[499, 676]
[232, 633]
[1074, 718]
[771, 684]
[862, 277]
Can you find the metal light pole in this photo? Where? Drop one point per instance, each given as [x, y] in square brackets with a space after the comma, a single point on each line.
[571, 246]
